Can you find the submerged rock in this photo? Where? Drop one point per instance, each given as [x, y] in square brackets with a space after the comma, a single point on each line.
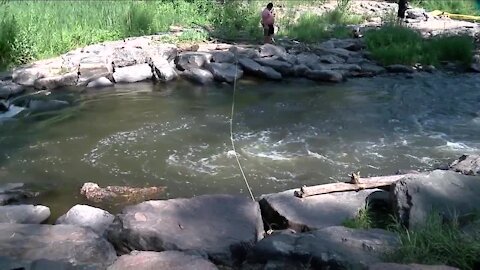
[63, 243]
[222, 227]
[95, 193]
[37, 106]
[26, 214]
[167, 260]
[466, 164]
[329, 248]
[315, 212]
[87, 216]
[416, 197]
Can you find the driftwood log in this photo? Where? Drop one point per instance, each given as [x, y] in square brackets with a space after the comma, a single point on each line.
[365, 183]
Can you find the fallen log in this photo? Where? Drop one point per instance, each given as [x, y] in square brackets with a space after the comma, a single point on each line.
[365, 183]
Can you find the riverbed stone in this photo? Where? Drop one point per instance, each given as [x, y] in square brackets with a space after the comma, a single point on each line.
[324, 75]
[186, 60]
[100, 82]
[63, 243]
[447, 193]
[9, 89]
[315, 212]
[87, 216]
[222, 227]
[283, 67]
[466, 164]
[163, 70]
[225, 72]
[24, 214]
[167, 260]
[331, 59]
[58, 81]
[41, 105]
[400, 69]
[131, 74]
[198, 75]
[333, 247]
[309, 59]
[254, 68]
[223, 57]
[396, 266]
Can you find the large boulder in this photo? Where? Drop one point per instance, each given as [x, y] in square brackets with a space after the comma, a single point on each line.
[225, 72]
[99, 82]
[131, 74]
[329, 248]
[241, 52]
[163, 70]
[63, 243]
[270, 50]
[198, 75]
[416, 197]
[302, 214]
[283, 67]
[311, 60]
[331, 59]
[187, 60]
[57, 81]
[223, 57]
[167, 260]
[466, 164]
[223, 227]
[413, 266]
[26, 214]
[324, 75]
[254, 68]
[87, 216]
[9, 89]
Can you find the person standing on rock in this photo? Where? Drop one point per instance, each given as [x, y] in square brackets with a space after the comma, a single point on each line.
[402, 8]
[268, 19]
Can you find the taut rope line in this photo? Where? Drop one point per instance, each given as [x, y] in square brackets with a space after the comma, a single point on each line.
[231, 131]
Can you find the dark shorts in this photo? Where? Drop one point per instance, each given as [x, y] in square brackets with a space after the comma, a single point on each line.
[268, 31]
[402, 8]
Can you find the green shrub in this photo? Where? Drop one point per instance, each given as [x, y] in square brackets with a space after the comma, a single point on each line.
[8, 34]
[139, 20]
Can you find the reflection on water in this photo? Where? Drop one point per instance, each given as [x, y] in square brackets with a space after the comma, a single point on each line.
[287, 135]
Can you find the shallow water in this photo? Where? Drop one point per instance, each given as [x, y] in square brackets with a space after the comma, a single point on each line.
[287, 135]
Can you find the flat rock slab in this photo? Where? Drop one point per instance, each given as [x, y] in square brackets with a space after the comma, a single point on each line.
[315, 212]
[223, 227]
[87, 216]
[26, 214]
[395, 266]
[63, 243]
[446, 192]
[329, 248]
[167, 260]
[467, 164]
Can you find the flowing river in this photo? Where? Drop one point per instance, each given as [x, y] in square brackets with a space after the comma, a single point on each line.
[287, 135]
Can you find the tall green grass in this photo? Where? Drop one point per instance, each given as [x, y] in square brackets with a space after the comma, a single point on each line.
[402, 45]
[466, 7]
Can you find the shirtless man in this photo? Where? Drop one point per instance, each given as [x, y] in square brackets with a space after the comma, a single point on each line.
[268, 19]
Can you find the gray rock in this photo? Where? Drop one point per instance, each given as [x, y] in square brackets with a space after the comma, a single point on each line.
[63, 243]
[88, 72]
[87, 216]
[416, 14]
[329, 248]
[374, 69]
[241, 52]
[187, 60]
[415, 197]
[283, 67]
[58, 81]
[467, 164]
[324, 75]
[27, 75]
[357, 60]
[166, 51]
[131, 74]
[331, 59]
[167, 260]
[38, 105]
[349, 44]
[9, 89]
[395, 266]
[313, 212]
[346, 67]
[24, 214]
[128, 56]
[343, 53]
[163, 70]
[254, 68]
[223, 57]
[268, 50]
[309, 59]
[99, 82]
[13, 192]
[400, 69]
[41, 264]
[300, 70]
[475, 67]
[198, 75]
[225, 72]
[223, 227]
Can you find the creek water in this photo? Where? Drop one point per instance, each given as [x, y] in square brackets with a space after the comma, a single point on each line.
[287, 135]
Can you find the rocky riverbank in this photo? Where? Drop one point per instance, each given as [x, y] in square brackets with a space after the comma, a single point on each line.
[280, 231]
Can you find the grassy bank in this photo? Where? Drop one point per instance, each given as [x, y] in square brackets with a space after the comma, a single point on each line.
[401, 45]
[467, 7]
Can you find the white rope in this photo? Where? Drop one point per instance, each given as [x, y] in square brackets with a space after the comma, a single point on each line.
[231, 132]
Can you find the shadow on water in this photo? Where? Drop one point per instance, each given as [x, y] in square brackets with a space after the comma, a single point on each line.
[288, 134]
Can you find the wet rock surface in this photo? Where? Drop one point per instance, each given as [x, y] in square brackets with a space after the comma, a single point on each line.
[222, 227]
[26, 214]
[466, 164]
[167, 260]
[87, 216]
